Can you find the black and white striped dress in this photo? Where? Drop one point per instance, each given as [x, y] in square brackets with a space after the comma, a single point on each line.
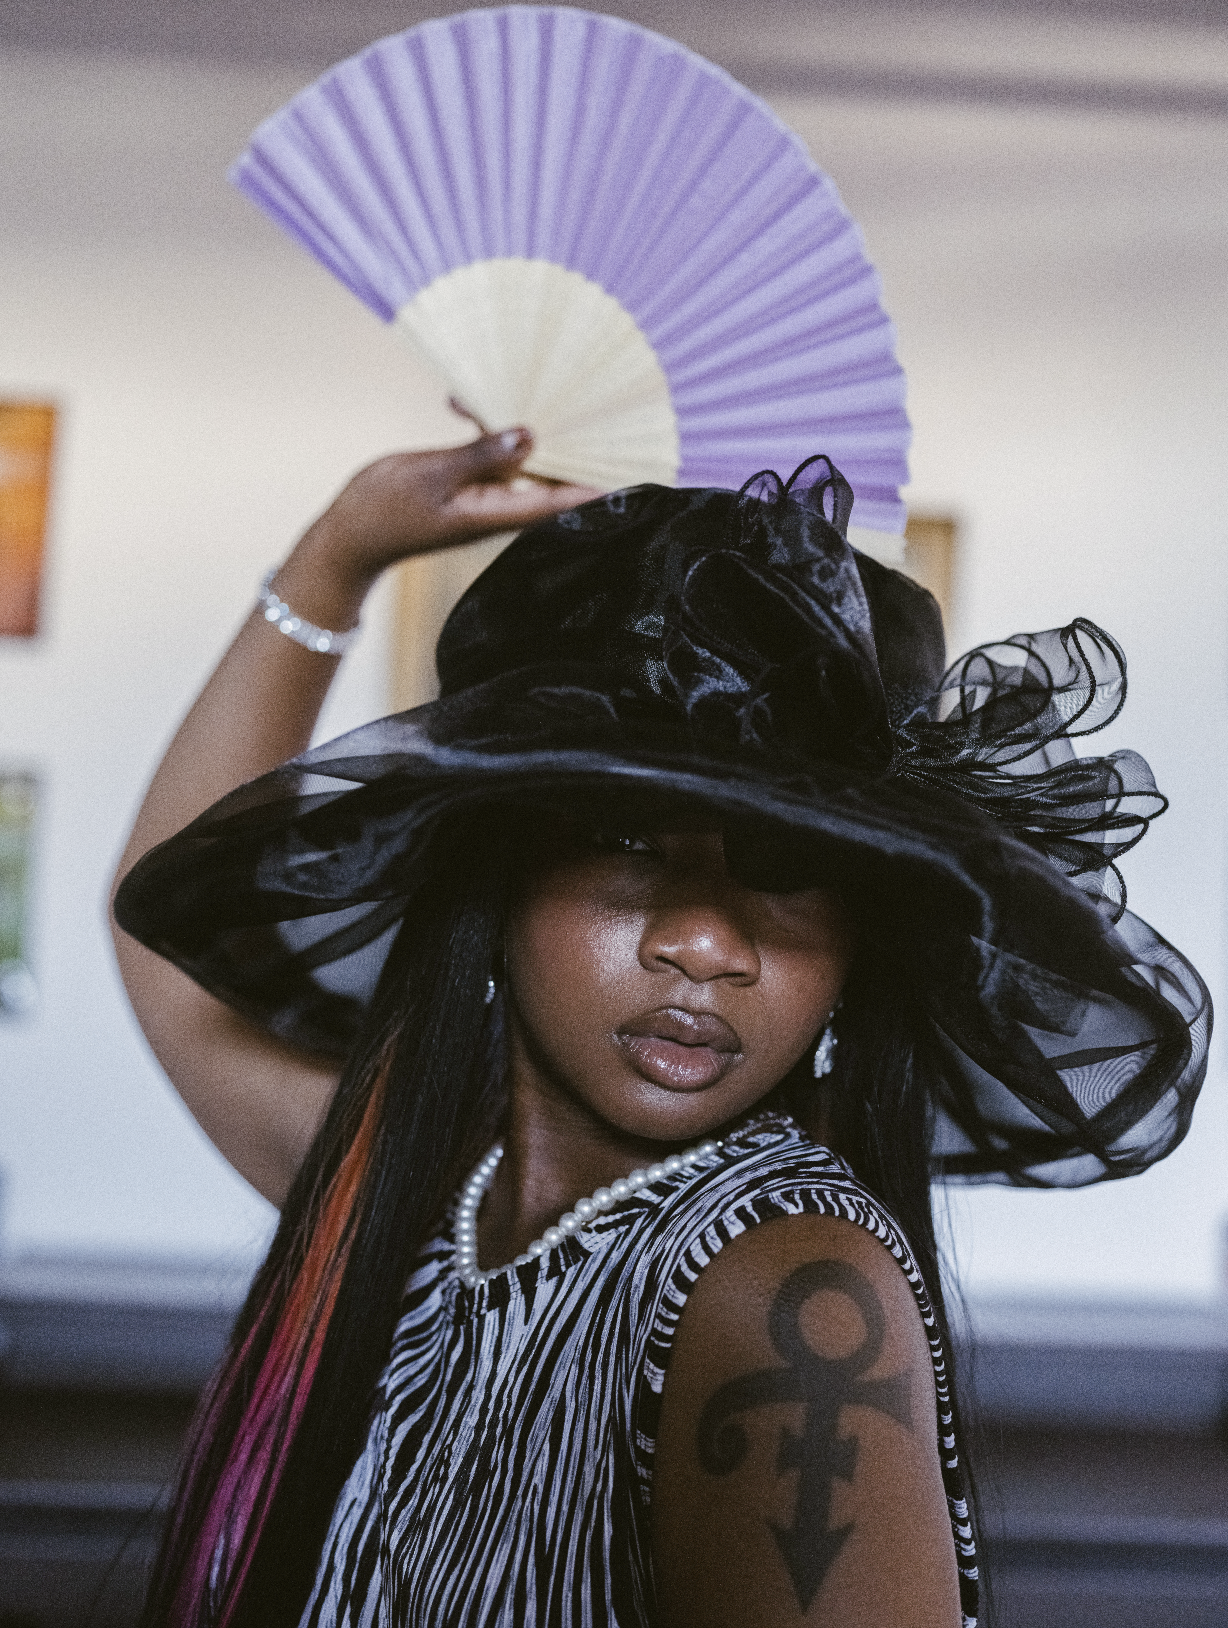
[507, 1478]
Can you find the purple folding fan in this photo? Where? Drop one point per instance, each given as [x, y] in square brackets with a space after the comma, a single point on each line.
[588, 229]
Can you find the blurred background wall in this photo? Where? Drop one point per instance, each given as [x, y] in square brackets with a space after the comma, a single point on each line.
[1044, 193]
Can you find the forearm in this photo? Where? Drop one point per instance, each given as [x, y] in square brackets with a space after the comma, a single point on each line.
[262, 702]
[257, 1098]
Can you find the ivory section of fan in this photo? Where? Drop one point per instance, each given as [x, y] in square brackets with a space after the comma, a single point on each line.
[521, 341]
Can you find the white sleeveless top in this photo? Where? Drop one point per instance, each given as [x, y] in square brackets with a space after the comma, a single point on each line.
[506, 1481]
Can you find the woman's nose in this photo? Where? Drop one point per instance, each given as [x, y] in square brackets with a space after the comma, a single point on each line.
[702, 937]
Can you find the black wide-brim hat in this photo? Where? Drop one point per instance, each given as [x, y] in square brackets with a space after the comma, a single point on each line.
[664, 655]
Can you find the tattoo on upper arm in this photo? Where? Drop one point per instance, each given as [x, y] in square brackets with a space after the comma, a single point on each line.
[824, 1385]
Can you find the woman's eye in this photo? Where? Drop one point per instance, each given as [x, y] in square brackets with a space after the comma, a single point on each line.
[620, 842]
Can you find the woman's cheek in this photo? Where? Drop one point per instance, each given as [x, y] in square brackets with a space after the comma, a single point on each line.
[582, 951]
[800, 983]
[604, 957]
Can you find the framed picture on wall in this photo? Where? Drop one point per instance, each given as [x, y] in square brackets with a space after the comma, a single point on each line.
[930, 544]
[427, 588]
[27, 434]
[17, 805]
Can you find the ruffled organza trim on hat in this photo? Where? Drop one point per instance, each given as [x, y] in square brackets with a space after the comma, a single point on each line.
[999, 733]
[1058, 1083]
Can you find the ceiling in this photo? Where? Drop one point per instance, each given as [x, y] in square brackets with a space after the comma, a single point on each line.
[1164, 57]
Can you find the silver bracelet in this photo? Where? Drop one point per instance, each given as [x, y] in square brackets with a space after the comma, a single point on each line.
[311, 637]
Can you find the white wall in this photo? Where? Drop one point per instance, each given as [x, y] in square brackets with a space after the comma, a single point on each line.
[1057, 281]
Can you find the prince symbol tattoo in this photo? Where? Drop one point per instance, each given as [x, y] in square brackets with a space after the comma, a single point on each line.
[824, 1385]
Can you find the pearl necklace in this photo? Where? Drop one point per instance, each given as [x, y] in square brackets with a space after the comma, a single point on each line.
[465, 1230]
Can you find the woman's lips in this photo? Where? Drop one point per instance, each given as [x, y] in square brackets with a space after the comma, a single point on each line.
[681, 1050]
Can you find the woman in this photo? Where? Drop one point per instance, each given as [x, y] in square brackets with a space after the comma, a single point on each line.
[677, 885]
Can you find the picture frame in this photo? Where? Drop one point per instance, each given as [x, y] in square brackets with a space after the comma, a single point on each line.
[27, 440]
[931, 543]
[18, 807]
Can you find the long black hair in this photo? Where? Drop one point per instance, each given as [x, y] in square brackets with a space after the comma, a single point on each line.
[419, 1101]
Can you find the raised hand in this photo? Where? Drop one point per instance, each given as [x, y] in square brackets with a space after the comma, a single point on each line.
[417, 502]
[257, 1099]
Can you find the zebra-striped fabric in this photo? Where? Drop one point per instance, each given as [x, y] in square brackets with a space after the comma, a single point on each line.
[507, 1478]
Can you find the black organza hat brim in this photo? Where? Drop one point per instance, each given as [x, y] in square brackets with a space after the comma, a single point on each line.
[661, 657]
[283, 900]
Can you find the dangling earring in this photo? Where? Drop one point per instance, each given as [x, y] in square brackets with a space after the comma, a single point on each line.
[490, 990]
[825, 1052]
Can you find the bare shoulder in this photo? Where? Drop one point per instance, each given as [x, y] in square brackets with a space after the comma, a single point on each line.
[797, 1477]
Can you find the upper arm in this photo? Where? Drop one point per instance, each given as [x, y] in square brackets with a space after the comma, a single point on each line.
[797, 1477]
[258, 1100]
